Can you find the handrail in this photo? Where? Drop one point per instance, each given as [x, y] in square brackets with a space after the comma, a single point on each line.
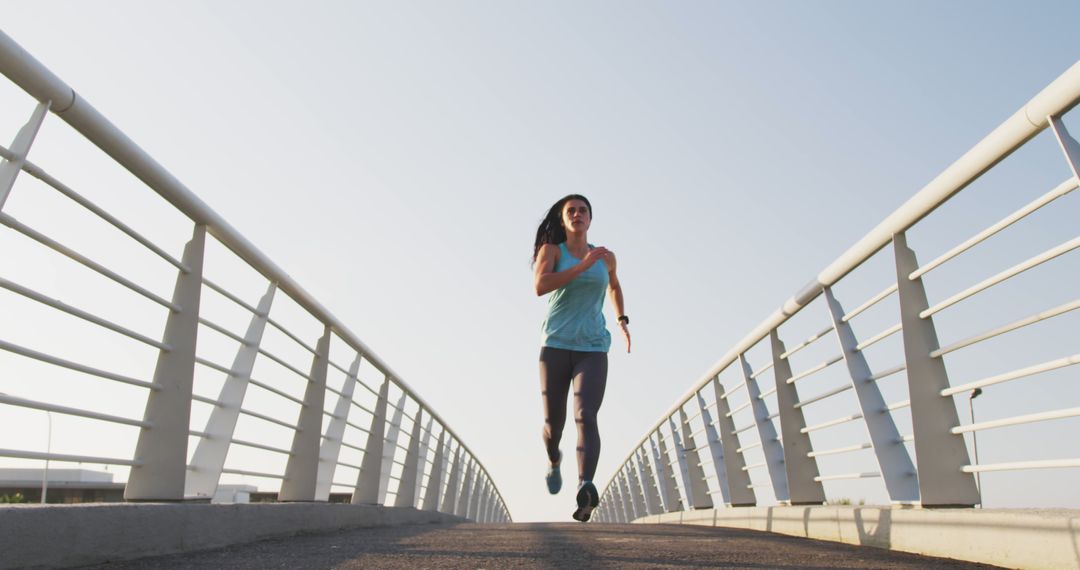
[1058, 97]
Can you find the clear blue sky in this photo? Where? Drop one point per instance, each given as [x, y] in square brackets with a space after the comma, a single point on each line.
[395, 159]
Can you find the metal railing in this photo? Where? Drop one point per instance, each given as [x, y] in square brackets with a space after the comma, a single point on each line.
[730, 438]
[287, 409]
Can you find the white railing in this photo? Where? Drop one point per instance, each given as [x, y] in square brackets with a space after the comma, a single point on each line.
[301, 405]
[730, 441]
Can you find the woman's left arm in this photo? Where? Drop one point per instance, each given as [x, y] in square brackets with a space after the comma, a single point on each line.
[616, 296]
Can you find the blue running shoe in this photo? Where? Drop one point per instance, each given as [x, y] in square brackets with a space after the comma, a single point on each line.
[554, 477]
[587, 500]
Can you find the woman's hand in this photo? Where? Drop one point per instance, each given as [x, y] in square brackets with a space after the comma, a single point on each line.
[626, 334]
[595, 254]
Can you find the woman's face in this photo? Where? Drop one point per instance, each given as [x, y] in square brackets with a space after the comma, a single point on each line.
[575, 216]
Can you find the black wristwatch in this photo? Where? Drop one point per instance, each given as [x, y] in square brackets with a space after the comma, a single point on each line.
[624, 319]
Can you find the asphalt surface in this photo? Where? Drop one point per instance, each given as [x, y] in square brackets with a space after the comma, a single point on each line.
[543, 545]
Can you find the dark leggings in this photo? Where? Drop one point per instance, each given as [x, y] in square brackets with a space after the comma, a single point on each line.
[587, 371]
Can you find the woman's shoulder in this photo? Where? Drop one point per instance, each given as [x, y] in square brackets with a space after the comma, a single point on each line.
[550, 249]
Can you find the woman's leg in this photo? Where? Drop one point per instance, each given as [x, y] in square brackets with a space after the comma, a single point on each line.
[555, 379]
[590, 380]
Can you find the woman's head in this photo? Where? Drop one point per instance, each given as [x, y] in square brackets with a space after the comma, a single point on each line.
[572, 213]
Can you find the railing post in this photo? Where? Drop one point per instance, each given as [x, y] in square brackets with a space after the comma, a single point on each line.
[770, 441]
[20, 147]
[425, 447]
[893, 459]
[335, 434]
[649, 479]
[162, 447]
[1068, 144]
[625, 501]
[434, 484]
[390, 451]
[368, 480]
[302, 469]
[665, 478]
[698, 490]
[802, 470]
[209, 457]
[473, 511]
[737, 479]
[637, 489]
[939, 453]
[648, 487]
[449, 503]
[716, 450]
[461, 506]
[406, 494]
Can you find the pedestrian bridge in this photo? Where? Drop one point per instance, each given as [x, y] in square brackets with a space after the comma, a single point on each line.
[253, 379]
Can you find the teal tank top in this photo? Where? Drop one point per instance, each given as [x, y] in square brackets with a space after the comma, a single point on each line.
[575, 317]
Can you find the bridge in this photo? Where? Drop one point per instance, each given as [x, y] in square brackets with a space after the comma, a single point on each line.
[254, 379]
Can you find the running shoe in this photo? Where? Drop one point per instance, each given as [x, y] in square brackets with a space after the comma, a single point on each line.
[554, 477]
[587, 500]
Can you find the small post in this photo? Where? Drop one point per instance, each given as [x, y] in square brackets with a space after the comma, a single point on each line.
[802, 470]
[367, 482]
[302, 469]
[434, 485]
[20, 147]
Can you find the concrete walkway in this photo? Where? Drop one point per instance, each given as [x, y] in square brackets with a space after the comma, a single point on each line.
[546, 545]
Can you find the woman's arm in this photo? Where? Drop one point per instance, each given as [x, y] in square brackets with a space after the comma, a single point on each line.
[616, 296]
[546, 280]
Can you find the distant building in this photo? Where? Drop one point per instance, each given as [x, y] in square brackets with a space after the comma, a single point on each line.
[86, 486]
[65, 485]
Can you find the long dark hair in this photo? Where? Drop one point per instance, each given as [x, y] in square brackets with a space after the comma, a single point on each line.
[551, 229]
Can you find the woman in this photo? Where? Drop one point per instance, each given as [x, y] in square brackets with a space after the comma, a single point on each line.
[575, 337]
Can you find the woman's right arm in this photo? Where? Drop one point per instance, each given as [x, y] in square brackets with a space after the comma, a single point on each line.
[546, 280]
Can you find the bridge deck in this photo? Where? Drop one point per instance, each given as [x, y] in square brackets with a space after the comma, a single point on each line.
[547, 545]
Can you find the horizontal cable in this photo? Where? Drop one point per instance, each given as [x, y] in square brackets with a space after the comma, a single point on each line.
[898, 405]
[252, 473]
[353, 402]
[351, 446]
[77, 198]
[879, 337]
[1061, 309]
[24, 403]
[767, 393]
[761, 370]
[261, 446]
[1061, 190]
[214, 365]
[754, 466]
[814, 337]
[205, 400]
[19, 454]
[847, 449]
[739, 408]
[1019, 420]
[820, 397]
[273, 390]
[221, 291]
[223, 330]
[336, 484]
[865, 475]
[1047, 464]
[887, 372]
[85, 261]
[201, 434]
[732, 390]
[29, 353]
[349, 465]
[1004, 275]
[831, 423]
[60, 305]
[815, 369]
[267, 354]
[744, 428]
[746, 447]
[772, 416]
[295, 338]
[1014, 375]
[263, 417]
[873, 301]
[356, 427]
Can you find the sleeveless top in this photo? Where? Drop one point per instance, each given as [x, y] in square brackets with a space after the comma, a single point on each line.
[575, 318]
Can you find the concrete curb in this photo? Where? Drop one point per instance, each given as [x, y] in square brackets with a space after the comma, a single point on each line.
[72, 535]
[1020, 538]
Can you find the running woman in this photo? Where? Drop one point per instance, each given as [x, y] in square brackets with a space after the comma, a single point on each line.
[575, 337]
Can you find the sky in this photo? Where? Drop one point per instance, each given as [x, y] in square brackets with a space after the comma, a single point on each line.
[395, 159]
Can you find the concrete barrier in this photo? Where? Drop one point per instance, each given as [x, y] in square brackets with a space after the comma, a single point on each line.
[1020, 538]
[72, 535]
